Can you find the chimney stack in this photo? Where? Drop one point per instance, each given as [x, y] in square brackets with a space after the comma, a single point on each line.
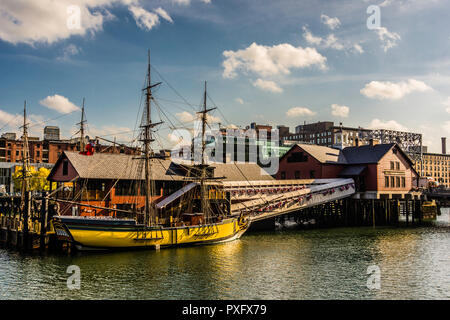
[444, 145]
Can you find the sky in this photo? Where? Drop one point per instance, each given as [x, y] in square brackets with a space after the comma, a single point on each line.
[374, 64]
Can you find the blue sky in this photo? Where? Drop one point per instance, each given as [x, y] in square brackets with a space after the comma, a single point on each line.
[275, 62]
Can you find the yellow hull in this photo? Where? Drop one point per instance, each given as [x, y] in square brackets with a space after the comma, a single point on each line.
[110, 237]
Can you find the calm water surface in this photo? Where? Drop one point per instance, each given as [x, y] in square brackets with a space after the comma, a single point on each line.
[312, 264]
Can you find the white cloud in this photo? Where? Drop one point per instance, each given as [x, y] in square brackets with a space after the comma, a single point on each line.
[68, 52]
[144, 19]
[9, 119]
[185, 116]
[183, 2]
[122, 134]
[163, 14]
[239, 100]
[266, 61]
[212, 119]
[331, 41]
[385, 3]
[388, 39]
[12, 122]
[189, 117]
[446, 126]
[447, 104]
[267, 85]
[299, 111]
[340, 111]
[332, 23]
[310, 38]
[59, 103]
[393, 91]
[358, 48]
[390, 125]
[48, 21]
[187, 2]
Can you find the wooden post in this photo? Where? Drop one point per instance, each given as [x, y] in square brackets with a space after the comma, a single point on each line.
[397, 212]
[407, 211]
[388, 211]
[26, 217]
[420, 210]
[44, 217]
[373, 213]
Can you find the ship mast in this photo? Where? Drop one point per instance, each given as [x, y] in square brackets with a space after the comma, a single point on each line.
[204, 196]
[25, 155]
[147, 138]
[81, 123]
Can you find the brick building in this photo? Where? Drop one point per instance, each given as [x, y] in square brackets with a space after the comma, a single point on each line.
[48, 151]
[325, 133]
[378, 170]
[436, 166]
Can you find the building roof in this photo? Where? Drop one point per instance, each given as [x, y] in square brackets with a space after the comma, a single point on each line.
[117, 166]
[240, 171]
[127, 167]
[366, 153]
[323, 154]
[351, 171]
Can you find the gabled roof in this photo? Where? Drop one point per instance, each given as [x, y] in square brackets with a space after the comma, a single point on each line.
[366, 153]
[351, 155]
[321, 153]
[240, 171]
[127, 167]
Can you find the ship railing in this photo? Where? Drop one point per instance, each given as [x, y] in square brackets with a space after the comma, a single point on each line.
[149, 234]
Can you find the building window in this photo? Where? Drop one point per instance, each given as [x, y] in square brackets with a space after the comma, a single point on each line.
[392, 165]
[397, 165]
[386, 182]
[397, 182]
[297, 174]
[392, 182]
[403, 182]
[65, 167]
[312, 174]
[297, 157]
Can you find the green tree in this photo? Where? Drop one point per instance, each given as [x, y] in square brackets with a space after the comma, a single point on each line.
[37, 179]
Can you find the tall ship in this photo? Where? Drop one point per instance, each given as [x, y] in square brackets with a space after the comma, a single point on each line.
[197, 217]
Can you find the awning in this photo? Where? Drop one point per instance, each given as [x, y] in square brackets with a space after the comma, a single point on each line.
[351, 171]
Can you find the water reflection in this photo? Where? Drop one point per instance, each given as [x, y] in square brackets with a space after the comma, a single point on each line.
[314, 264]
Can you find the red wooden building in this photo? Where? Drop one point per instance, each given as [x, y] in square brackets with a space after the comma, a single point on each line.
[381, 170]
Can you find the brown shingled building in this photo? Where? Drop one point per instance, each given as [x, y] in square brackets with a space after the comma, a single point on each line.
[116, 180]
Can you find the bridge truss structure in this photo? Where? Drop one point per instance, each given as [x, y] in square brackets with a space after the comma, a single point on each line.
[409, 142]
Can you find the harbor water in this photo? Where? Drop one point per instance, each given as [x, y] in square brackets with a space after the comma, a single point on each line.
[414, 263]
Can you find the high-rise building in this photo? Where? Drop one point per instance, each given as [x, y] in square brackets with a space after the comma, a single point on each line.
[51, 133]
[325, 133]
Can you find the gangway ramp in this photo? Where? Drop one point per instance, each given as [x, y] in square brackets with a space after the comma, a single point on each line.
[281, 197]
